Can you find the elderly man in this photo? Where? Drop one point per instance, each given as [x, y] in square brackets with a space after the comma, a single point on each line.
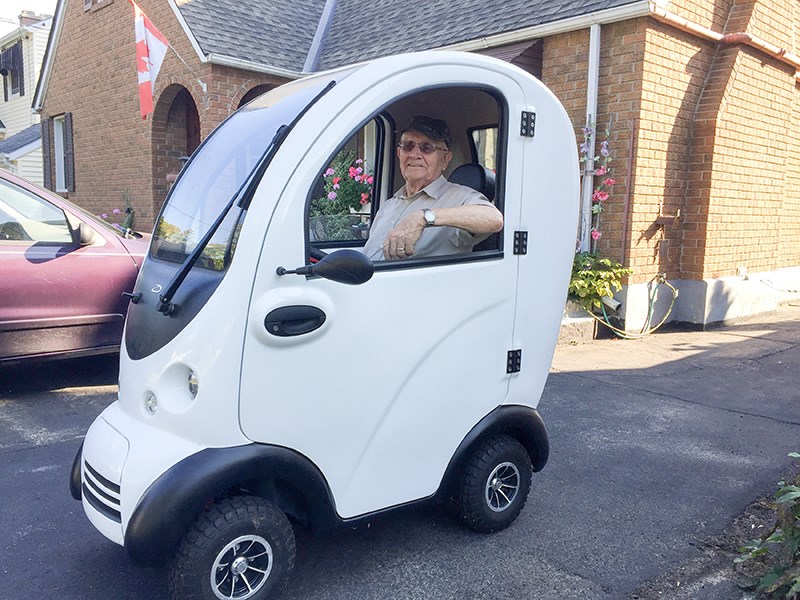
[429, 216]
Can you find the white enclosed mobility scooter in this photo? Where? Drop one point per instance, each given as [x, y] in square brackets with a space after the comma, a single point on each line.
[272, 373]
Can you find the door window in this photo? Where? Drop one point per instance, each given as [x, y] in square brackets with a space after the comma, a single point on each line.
[351, 197]
[483, 142]
[341, 202]
[25, 217]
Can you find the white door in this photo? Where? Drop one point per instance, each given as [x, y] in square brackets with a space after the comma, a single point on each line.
[382, 392]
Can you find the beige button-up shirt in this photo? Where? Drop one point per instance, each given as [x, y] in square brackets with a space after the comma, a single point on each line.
[435, 241]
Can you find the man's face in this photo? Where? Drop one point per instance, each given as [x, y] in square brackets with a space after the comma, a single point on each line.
[419, 169]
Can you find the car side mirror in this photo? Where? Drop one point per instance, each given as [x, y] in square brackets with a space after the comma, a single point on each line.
[344, 266]
[87, 235]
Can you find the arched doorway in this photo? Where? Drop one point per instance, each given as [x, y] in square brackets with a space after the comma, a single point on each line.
[176, 134]
[253, 93]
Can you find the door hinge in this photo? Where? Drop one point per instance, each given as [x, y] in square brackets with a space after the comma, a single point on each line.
[520, 242]
[527, 125]
[514, 361]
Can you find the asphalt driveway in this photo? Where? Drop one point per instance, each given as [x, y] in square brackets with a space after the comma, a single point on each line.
[655, 444]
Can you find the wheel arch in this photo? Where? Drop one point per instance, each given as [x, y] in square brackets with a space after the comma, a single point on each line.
[520, 422]
[171, 504]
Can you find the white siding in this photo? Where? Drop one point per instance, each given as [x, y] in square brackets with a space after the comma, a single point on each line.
[30, 167]
[17, 113]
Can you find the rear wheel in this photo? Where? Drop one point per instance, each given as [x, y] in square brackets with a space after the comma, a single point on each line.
[494, 485]
[241, 548]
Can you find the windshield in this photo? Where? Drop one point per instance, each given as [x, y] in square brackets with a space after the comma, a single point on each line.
[217, 171]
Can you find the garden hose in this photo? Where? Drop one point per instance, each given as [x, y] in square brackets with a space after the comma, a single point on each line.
[646, 328]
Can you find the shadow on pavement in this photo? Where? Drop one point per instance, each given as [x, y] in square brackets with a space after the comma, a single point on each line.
[47, 376]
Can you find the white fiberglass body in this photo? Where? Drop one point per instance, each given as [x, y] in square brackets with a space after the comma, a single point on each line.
[385, 380]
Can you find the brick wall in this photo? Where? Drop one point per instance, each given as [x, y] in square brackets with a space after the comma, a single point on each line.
[94, 78]
[673, 76]
[565, 66]
[713, 130]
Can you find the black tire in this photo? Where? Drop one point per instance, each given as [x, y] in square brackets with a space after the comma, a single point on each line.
[244, 541]
[494, 485]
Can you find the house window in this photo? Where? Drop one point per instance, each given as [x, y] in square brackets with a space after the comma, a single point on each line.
[12, 70]
[58, 135]
[63, 153]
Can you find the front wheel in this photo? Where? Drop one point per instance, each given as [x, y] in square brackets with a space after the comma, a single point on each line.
[241, 548]
[494, 485]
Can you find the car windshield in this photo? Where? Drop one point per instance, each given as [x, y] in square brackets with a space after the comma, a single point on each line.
[219, 168]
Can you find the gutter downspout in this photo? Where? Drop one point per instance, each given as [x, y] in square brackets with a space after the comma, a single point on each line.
[741, 37]
[587, 182]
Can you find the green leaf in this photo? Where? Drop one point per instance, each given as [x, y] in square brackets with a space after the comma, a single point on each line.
[787, 497]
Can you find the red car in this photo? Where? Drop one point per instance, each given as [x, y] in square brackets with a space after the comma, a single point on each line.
[62, 275]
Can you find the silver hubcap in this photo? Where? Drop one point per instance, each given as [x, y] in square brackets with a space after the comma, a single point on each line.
[241, 568]
[502, 486]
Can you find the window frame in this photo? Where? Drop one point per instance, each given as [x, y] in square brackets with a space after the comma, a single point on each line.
[389, 159]
[382, 123]
[59, 149]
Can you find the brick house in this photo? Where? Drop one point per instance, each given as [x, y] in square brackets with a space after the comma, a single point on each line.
[701, 99]
[21, 54]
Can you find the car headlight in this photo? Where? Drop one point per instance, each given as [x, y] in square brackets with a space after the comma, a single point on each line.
[193, 385]
[150, 403]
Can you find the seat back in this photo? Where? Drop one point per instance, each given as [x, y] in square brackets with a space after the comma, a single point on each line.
[476, 177]
[481, 179]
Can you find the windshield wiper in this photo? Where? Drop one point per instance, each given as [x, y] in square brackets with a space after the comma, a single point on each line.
[165, 304]
[243, 195]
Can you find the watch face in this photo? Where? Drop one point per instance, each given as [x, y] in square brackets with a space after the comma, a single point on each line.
[430, 216]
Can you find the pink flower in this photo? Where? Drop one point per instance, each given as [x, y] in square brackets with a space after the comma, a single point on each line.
[601, 171]
[336, 186]
[115, 211]
[336, 180]
[357, 178]
[370, 180]
[359, 161]
[596, 235]
[609, 182]
[329, 172]
[599, 196]
[364, 197]
[352, 172]
[332, 196]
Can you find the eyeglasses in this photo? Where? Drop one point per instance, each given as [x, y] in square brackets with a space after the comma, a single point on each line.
[424, 147]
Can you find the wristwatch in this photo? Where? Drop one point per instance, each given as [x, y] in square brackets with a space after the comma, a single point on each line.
[430, 217]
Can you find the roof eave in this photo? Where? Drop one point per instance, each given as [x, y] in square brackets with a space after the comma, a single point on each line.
[49, 57]
[188, 31]
[247, 65]
[602, 17]
[23, 150]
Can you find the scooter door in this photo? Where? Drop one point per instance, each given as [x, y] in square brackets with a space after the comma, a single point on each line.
[386, 378]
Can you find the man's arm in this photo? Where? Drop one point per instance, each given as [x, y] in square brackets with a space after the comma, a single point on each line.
[475, 218]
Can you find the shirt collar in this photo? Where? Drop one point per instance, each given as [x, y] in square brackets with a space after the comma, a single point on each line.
[434, 189]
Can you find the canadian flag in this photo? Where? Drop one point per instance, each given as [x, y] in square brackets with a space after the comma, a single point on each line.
[151, 48]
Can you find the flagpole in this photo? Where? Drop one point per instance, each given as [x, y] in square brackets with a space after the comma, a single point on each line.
[200, 81]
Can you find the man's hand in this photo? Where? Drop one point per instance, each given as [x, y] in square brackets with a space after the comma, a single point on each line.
[400, 241]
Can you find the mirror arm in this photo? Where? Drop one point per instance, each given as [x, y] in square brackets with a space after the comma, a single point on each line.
[298, 271]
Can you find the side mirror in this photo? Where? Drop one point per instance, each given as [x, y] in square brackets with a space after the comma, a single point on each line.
[344, 266]
[87, 235]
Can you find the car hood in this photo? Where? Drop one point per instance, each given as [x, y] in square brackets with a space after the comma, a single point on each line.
[137, 246]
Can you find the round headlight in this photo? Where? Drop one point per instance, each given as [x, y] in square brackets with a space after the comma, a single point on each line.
[150, 403]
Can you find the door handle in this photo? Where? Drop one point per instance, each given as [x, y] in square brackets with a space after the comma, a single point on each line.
[288, 321]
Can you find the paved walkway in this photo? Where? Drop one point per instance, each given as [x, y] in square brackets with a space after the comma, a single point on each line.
[661, 442]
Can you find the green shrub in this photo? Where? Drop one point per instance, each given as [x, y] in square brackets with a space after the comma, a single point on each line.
[782, 542]
[593, 278]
